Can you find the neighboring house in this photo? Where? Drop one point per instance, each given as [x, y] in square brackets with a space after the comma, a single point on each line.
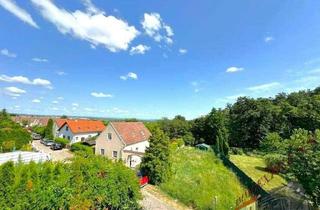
[125, 141]
[30, 121]
[57, 123]
[80, 130]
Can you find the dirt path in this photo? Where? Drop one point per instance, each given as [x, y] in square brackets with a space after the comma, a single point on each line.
[154, 199]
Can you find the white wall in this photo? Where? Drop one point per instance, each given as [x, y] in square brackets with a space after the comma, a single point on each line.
[67, 134]
[138, 147]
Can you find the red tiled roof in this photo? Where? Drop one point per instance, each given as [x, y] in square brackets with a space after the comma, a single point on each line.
[132, 132]
[60, 122]
[84, 126]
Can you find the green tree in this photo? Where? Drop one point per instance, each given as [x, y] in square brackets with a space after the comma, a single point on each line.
[156, 160]
[48, 133]
[304, 161]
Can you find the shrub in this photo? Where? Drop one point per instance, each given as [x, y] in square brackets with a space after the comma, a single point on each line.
[236, 151]
[93, 182]
[272, 142]
[275, 163]
[62, 141]
[79, 147]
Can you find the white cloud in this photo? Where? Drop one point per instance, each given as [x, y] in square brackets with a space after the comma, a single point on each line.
[101, 95]
[55, 108]
[154, 27]
[36, 101]
[197, 86]
[25, 80]
[14, 91]
[139, 49]
[20, 13]
[130, 75]
[60, 98]
[233, 69]
[6, 52]
[268, 39]
[40, 60]
[93, 25]
[264, 87]
[55, 102]
[61, 73]
[183, 51]
[75, 104]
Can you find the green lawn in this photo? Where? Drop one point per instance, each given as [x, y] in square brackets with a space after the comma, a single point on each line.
[254, 168]
[199, 176]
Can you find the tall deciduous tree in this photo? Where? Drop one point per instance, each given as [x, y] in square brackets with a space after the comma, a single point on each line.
[156, 160]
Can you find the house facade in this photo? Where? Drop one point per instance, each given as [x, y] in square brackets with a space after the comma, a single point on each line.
[125, 141]
[80, 130]
[57, 123]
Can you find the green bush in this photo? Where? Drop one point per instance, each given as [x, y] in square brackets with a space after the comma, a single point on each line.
[236, 151]
[79, 147]
[12, 135]
[272, 142]
[91, 182]
[62, 141]
[276, 163]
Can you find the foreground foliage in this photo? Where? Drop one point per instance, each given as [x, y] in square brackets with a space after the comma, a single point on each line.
[85, 183]
[304, 161]
[199, 176]
[12, 135]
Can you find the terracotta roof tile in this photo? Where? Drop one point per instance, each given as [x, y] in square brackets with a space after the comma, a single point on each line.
[60, 122]
[84, 126]
[132, 132]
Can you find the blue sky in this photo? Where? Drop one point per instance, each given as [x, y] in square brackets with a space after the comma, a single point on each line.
[153, 59]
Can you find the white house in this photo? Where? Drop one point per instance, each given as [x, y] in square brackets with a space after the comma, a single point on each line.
[57, 123]
[80, 130]
[125, 141]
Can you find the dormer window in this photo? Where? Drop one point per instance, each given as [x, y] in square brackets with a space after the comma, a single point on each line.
[109, 136]
[67, 128]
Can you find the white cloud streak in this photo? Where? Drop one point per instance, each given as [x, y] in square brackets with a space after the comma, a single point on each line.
[101, 95]
[264, 87]
[7, 53]
[12, 7]
[14, 91]
[25, 80]
[234, 69]
[40, 60]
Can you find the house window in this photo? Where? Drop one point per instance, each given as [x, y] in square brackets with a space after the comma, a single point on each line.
[68, 137]
[114, 154]
[109, 136]
[64, 136]
[77, 138]
[101, 151]
[82, 138]
[67, 128]
[137, 148]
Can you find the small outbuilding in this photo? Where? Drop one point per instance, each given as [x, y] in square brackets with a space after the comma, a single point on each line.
[203, 146]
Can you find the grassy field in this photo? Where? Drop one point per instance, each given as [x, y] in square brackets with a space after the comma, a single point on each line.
[254, 167]
[198, 177]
